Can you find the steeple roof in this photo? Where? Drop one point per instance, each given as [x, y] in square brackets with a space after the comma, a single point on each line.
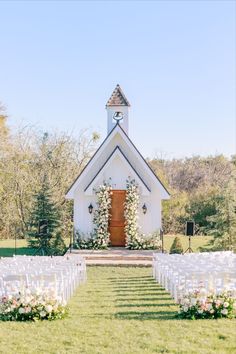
[117, 98]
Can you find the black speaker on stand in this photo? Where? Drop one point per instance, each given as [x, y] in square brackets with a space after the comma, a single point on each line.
[190, 226]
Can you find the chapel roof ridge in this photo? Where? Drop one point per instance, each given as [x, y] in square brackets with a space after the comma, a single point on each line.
[117, 98]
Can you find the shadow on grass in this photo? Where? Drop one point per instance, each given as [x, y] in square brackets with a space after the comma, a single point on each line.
[146, 315]
[130, 278]
[137, 288]
[145, 299]
[9, 252]
[142, 293]
[146, 305]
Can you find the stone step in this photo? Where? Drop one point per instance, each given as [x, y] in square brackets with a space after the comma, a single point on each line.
[118, 263]
[115, 257]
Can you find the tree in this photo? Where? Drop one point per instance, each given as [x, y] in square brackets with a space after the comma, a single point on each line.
[57, 245]
[46, 212]
[26, 155]
[202, 205]
[176, 246]
[174, 213]
[223, 223]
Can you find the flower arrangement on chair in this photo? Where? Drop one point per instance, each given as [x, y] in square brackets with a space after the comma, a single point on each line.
[200, 304]
[32, 306]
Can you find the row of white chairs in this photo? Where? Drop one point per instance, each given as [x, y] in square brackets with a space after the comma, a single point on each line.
[185, 273]
[58, 275]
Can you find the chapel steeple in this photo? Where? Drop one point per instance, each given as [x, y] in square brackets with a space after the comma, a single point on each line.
[117, 106]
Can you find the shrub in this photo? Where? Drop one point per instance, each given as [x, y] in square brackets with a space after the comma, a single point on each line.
[145, 242]
[32, 306]
[176, 246]
[57, 245]
[199, 304]
[86, 242]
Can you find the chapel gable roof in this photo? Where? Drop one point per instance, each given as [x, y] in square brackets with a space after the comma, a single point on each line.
[117, 98]
[117, 126]
[117, 151]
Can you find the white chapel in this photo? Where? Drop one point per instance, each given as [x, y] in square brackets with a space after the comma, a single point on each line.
[116, 160]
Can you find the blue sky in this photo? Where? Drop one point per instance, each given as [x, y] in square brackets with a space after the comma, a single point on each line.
[175, 61]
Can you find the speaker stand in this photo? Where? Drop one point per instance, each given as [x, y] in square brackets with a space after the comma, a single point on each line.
[189, 249]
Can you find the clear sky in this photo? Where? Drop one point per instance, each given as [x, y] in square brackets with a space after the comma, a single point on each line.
[175, 61]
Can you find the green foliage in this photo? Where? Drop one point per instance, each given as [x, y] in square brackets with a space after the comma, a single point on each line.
[145, 242]
[175, 213]
[31, 306]
[57, 245]
[202, 305]
[176, 246]
[25, 157]
[131, 214]
[223, 222]
[90, 241]
[197, 184]
[202, 205]
[115, 303]
[100, 235]
[43, 209]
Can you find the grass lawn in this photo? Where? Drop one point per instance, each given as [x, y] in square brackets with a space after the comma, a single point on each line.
[196, 241]
[120, 311]
[7, 247]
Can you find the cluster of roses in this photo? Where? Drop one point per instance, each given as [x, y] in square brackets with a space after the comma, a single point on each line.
[101, 234]
[32, 306]
[200, 304]
[131, 214]
[134, 239]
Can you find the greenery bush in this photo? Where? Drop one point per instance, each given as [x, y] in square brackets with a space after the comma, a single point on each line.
[57, 245]
[145, 242]
[88, 241]
[176, 246]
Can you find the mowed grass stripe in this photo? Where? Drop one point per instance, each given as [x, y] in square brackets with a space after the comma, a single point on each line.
[120, 311]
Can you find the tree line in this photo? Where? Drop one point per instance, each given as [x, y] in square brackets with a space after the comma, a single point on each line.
[202, 189]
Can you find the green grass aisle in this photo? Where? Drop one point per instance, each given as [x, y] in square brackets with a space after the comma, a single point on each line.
[119, 311]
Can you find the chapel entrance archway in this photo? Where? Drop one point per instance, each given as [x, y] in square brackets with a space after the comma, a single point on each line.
[117, 218]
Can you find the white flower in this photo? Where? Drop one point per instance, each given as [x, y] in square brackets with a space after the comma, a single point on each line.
[209, 307]
[42, 313]
[185, 308]
[49, 308]
[200, 311]
[27, 299]
[21, 310]
[226, 304]
[186, 301]
[193, 301]
[203, 292]
[27, 309]
[224, 311]
[27, 291]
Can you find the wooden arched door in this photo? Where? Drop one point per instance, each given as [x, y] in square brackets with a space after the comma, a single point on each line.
[117, 219]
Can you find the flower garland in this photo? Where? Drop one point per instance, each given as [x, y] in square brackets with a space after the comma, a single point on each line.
[32, 306]
[134, 239]
[131, 213]
[101, 234]
[200, 304]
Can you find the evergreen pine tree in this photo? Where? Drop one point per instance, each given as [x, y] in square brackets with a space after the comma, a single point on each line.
[43, 210]
[58, 246]
[176, 246]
